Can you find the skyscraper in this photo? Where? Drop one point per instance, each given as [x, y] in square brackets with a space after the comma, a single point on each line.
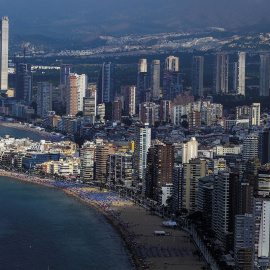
[193, 171]
[155, 80]
[221, 73]
[189, 150]
[264, 75]
[197, 75]
[4, 37]
[23, 82]
[72, 95]
[239, 74]
[160, 163]
[250, 147]
[82, 85]
[142, 66]
[264, 146]
[255, 114]
[172, 64]
[142, 144]
[66, 69]
[143, 88]
[106, 84]
[172, 79]
[44, 98]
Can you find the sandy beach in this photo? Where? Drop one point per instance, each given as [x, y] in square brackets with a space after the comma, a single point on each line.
[136, 226]
[45, 134]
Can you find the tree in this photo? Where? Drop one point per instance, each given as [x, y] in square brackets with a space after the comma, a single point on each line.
[79, 114]
[184, 124]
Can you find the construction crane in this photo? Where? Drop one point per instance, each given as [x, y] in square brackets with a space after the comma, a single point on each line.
[61, 66]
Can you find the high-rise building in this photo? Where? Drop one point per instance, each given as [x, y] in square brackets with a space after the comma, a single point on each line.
[23, 82]
[106, 84]
[147, 112]
[189, 150]
[143, 88]
[119, 168]
[155, 80]
[129, 94]
[264, 180]
[159, 172]
[72, 95]
[264, 75]
[90, 108]
[87, 157]
[142, 66]
[250, 147]
[4, 38]
[264, 146]
[102, 154]
[197, 75]
[221, 206]
[165, 110]
[221, 73]
[172, 64]
[243, 241]
[260, 233]
[101, 112]
[177, 187]
[193, 171]
[255, 114]
[142, 144]
[82, 86]
[117, 110]
[239, 74]
[204, 202]
[66, 69]
[44, 98]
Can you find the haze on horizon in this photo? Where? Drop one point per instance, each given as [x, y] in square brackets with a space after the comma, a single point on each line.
[89, 17]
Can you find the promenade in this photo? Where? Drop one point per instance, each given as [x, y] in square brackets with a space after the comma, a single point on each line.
[135, 224]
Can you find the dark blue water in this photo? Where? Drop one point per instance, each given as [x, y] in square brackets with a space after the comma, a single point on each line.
[43, 228]
[19, 133]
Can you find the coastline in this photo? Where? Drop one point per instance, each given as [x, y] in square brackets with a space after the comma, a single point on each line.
[134, 224]
[44, 134]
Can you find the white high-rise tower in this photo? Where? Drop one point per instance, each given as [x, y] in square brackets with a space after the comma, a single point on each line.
[239, 74]
[4, 36]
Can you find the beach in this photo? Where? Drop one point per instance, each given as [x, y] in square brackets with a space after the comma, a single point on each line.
[18, 126]
[136, 226]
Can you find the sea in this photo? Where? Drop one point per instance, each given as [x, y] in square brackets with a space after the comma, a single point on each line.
[44, 228]
[20, 133]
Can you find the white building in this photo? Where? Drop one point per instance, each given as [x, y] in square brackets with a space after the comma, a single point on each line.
[4, 37]
[239, 75]
[255, 114]
[142, 66]
[82, 86]
[261, 235]
[142, 144]
[172, 64]
[189, 150]
[250, 147]
[222, 150]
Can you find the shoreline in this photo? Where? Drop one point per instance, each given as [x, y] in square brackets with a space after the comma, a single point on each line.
[17, 126]
[134, 259]
[134, 224]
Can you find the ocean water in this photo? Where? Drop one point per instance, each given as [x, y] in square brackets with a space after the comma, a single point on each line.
[19, 133]
[43, 228]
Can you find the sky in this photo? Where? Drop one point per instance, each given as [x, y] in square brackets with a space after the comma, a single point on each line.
[90, 17]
